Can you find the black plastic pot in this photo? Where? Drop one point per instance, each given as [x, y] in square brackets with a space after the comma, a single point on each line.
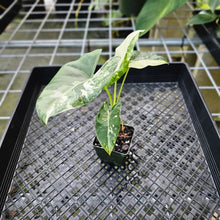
[116, 158]
[6, 15]
[130, 7]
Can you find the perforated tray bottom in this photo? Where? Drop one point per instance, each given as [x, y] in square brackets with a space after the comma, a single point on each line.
[59, 176]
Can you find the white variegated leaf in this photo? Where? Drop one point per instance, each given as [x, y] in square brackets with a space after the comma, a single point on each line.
[141, 60]
[124, 51]
[107, 125]
[75, 85]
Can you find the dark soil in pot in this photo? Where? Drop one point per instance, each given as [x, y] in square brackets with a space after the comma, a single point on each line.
[121, 149]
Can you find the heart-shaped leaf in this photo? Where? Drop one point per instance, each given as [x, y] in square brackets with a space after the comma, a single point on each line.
[154, 10]
[75, 85]
[141, 60]
[107, 125]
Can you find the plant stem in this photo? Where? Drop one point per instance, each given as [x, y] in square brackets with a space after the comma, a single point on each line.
[122, 84]
[109, 96]
[77, 12]
[115, 93]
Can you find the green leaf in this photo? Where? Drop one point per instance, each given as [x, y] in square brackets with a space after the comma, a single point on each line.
[203, 17]
[107, 126]
[154, 10]
[75, 85]
[214, 4]
[125, 51]
[140, 60]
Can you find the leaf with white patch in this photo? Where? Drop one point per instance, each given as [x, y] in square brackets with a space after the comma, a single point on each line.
[74, 85]
[107, 126]
[141, 60]
[125, 51]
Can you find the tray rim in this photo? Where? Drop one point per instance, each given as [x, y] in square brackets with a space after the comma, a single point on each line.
[204, 128]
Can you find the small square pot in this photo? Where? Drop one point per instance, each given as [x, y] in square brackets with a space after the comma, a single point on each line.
[116, 158]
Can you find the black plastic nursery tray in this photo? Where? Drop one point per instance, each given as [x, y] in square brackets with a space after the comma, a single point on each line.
[172, 171]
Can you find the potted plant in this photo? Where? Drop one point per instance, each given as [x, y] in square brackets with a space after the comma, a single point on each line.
[75, 85]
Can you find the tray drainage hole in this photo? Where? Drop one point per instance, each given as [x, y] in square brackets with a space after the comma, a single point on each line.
[130, 117]
[134, 103]
[170, 145]
[128, 98]
[190, 138]
[174, 195]
[173, 127]
[129, 107]
[185, 144]
[119, 199]
[162, 139]
[139, 98]
[143, 117]
[176, 138]
[135, 112]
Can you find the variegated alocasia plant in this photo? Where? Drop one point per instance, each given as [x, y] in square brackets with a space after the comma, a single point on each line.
[75, 84]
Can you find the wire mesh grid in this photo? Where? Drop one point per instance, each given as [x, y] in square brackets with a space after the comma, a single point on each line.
[51, 34]
[59, 176]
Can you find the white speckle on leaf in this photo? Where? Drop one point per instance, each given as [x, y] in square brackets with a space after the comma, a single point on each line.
[84, 93]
